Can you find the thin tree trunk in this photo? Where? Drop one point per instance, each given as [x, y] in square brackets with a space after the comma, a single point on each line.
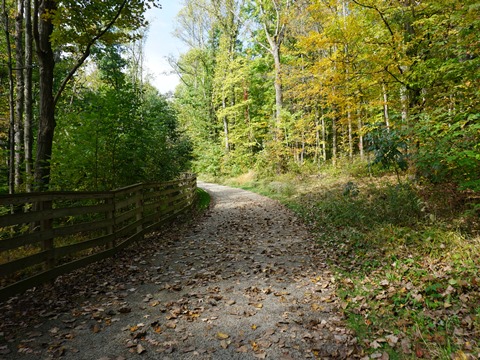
[350, 134]
[278, 84]
[28, 136]
[11, 104]
[324, 138]
[385, 106]
[317, 138]
[334, 141]
[225, 125]
[360, 136]
[19, 103]
[404, 102]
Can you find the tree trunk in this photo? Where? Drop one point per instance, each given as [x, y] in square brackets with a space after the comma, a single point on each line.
[385, 106]
[225, 125]
[11, 104]
[324, 137]
[350, 134]
[43, 29]
[334, 141]
[19, 102]
[278, 84]
[28, 136]
[360, 136]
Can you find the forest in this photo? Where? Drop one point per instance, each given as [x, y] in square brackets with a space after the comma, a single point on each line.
[287, 86]
[270, 86]
[362, 116]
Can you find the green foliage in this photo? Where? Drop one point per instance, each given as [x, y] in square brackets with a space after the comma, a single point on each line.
[115, 135]
[449, 150]
[203, 199]
[388, 147]
[395, 82]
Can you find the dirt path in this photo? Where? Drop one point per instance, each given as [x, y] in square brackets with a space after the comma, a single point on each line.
[243, 282]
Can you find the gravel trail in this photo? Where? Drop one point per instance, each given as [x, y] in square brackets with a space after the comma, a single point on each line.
[244, 281]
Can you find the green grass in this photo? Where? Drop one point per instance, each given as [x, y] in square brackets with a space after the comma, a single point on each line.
[203, 199]
[406, 257]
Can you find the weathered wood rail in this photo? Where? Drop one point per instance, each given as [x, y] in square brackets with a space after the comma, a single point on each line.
[53, 233]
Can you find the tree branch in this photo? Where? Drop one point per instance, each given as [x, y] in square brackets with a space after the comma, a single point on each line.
[86, 53]
[379, 13]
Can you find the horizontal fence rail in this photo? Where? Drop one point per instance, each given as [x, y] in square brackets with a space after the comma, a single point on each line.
[44, 235]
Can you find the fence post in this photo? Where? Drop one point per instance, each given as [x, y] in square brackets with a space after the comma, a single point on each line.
[140, 210]
[111, 216]
[46, 225]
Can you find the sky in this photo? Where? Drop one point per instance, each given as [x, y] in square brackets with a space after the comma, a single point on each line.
[161, 43]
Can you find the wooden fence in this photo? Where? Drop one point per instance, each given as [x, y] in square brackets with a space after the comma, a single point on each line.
[52, 233]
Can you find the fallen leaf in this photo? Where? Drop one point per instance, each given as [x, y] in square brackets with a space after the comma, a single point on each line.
[406, 346]
[171, 324]
[124, 310]
[189, 349]
[243, 349]
[140, 349]
[222, 336]
[96, 329]
[419, 352]
[392, 340]
[260, 355]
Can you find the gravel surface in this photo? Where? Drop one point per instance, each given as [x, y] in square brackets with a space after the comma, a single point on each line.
[243, 281]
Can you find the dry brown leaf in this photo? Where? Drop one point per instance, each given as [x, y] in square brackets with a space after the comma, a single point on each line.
[243, 349]
[260, 355]
[96, 329]
[171, 324]
[133, 328]
[140, 349]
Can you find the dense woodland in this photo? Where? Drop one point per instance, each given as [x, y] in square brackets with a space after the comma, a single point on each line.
[287, 86]
[274, 86]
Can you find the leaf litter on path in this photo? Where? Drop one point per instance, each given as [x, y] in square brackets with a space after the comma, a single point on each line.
[243, 281]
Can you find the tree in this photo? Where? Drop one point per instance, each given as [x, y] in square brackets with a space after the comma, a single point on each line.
[274, 18]
[11, 100]
[74, 27]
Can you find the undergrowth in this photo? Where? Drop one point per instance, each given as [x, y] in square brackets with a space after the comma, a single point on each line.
[406, 259]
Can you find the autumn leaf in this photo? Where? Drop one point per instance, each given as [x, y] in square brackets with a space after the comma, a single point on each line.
[222, 336]
[96, 328]
[260, 355]
[171, 324]
[140, 349]
[257, 305]
[242, 349]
